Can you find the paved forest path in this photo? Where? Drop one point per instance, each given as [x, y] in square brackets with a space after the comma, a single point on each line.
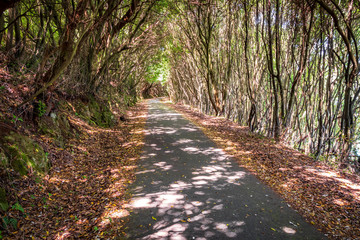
[187, 188]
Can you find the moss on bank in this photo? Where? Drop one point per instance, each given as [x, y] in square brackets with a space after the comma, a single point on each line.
[23, 155]
[95, 113]
[4, 205]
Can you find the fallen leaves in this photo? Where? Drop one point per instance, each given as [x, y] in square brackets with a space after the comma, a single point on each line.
[327, 198]
[84, 194]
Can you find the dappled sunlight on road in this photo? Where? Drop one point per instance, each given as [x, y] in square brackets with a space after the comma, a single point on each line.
[328, 198]
[186, 188]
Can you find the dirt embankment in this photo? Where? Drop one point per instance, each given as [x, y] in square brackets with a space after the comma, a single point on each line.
[72, 181]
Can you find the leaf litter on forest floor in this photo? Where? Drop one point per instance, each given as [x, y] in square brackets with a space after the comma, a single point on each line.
[327, 198]
[84, 194]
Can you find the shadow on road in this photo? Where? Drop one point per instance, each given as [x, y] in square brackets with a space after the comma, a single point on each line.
[186, 188]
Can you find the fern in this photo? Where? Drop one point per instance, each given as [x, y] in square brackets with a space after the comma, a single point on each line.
[17, 206]
[7, 222]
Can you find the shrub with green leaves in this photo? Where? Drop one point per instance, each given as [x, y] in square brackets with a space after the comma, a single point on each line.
[41, 108]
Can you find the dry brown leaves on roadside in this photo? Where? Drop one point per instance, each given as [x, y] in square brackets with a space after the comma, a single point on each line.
[327, 198]
[84, 194]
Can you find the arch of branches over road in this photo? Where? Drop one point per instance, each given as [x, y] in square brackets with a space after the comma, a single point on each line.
[81, 48]
[287, 69]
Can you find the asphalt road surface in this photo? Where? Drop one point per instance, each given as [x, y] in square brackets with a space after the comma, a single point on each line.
[187, 188]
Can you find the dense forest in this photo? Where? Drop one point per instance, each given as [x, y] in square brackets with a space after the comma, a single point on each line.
[289, 70]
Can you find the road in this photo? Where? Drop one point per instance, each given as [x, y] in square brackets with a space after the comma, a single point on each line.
[187, 188]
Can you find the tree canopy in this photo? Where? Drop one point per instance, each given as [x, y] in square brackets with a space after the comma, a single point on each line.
[286, 69]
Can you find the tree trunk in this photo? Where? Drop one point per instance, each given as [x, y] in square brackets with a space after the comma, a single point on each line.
[10, 31]
[2, 26]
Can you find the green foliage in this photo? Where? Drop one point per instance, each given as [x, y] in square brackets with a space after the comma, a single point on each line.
[3, 202]
[9, 222]
[38, 180]
[41, 108]
[16, 119]
[162, 5]
[312, 155]
[18, 207]
[95, 113]
[158, 68]
[24, 154]
[129, 100]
